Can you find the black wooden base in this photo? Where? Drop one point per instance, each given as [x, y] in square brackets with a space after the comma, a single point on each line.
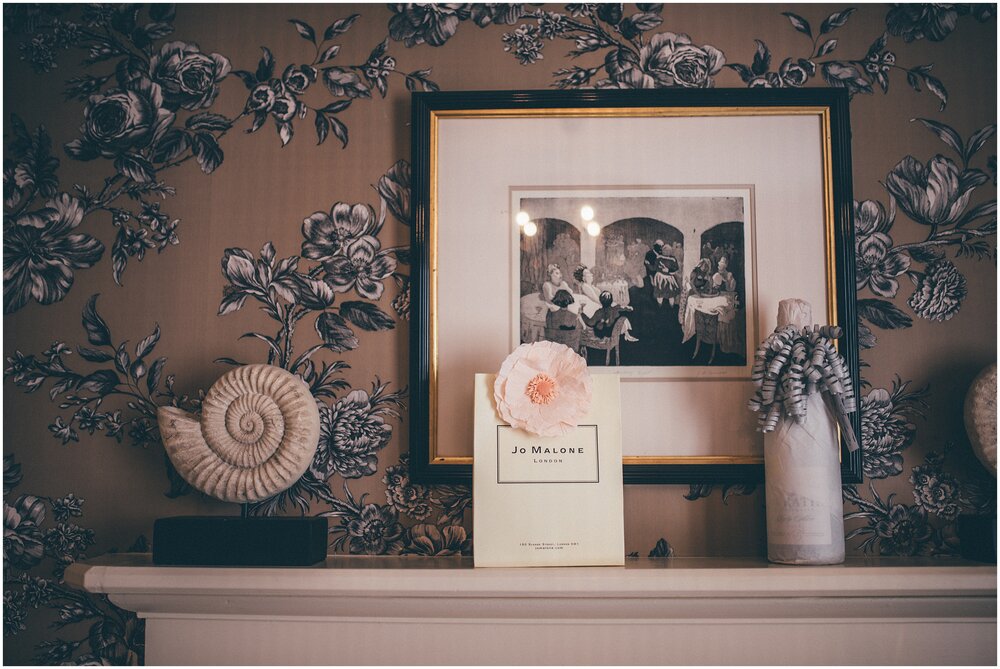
[239, 542]
[977, 536]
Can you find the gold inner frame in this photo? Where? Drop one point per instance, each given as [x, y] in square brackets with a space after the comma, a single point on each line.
[826, 152]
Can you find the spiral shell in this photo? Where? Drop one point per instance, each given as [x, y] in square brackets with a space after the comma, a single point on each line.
[257, 435]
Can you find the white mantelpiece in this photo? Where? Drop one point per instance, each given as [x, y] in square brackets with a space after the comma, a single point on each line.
[357, 610]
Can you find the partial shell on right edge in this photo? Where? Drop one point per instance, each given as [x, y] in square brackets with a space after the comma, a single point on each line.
[981, 417]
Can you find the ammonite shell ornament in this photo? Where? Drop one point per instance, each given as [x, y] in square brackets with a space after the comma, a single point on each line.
[257, 435]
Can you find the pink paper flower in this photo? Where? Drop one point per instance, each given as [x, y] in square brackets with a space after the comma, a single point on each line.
[543, 388]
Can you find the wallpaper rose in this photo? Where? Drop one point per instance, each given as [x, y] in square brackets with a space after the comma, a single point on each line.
[146, 148]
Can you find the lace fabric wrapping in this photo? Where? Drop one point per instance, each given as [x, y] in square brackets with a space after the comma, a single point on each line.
[805, 523]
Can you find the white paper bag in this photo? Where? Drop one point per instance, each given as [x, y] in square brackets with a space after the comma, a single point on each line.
[548, 501]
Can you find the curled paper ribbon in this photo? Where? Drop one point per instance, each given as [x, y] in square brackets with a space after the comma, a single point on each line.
[543, 388]
[794, 362]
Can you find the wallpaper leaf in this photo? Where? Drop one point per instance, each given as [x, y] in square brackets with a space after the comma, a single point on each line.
[883, 314]
[799, 23]
[339, 27]
[304, 29]
[836, 20]
[367, 316]
[98, 333]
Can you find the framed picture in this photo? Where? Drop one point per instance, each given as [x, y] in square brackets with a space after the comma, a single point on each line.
[653, 231]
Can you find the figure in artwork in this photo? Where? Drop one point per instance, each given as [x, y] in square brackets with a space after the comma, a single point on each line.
[604, 319]
[552, 285]
[662, 269]
[561, 324]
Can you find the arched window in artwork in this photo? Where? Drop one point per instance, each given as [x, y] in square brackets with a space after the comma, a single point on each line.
[726, 240]
[556, 242]
[722, 246]
[624, 244]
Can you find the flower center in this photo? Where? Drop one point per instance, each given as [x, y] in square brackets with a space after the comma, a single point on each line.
[109, 117]
[35, 248]
[196, 78]
[541, 389]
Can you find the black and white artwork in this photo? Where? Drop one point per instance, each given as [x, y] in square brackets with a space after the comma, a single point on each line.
[646, 281]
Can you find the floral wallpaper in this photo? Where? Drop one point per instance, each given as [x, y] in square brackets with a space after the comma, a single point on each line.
[148, 147]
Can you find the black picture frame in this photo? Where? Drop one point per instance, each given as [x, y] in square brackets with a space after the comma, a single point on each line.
[425, 465]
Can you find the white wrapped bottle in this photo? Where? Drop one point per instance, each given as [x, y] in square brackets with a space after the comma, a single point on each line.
[802, 487]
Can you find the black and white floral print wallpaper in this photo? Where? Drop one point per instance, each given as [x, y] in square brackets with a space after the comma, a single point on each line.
[146, 145]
